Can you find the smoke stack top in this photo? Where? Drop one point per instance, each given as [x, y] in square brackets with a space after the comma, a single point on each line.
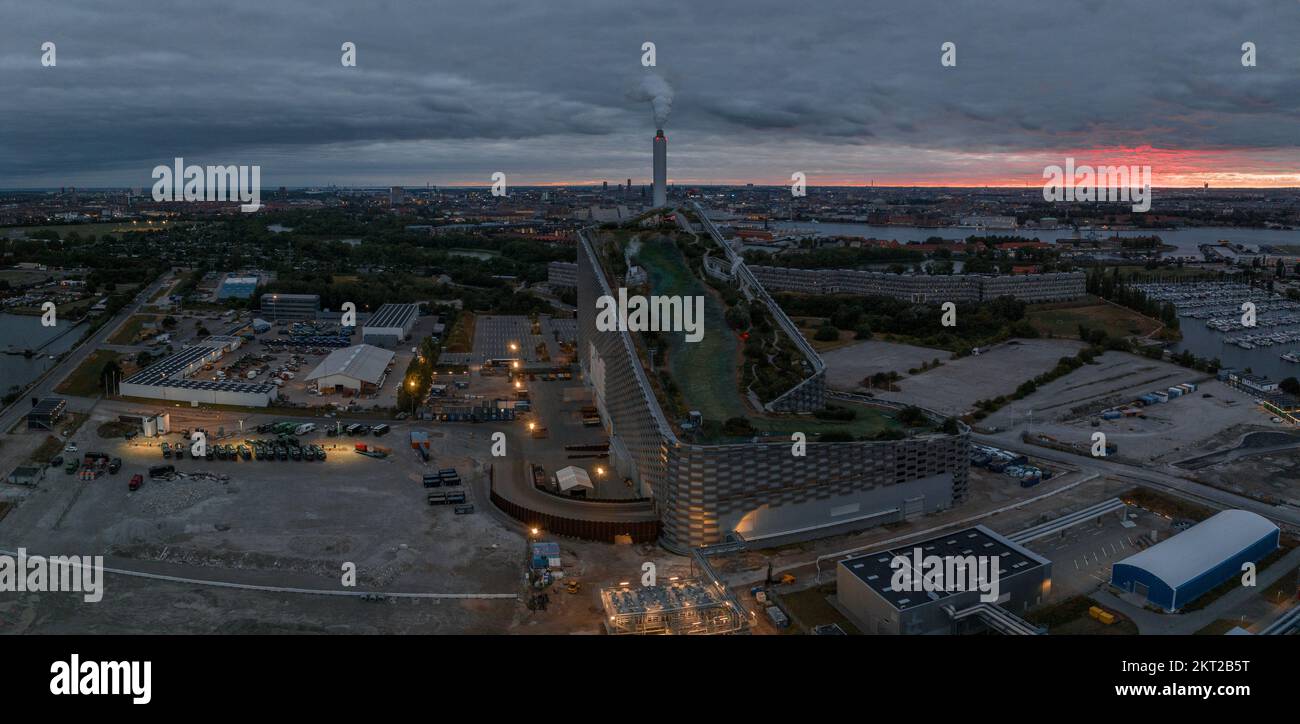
[659, 93]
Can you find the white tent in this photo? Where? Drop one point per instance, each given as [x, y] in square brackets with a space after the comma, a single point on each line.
[573, 477]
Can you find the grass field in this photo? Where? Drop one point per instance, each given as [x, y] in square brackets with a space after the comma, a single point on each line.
[706, 370]
[869, 420]
[1063, 320]
[130, 328]
[84, 381]
[808, 326]
[26, 276]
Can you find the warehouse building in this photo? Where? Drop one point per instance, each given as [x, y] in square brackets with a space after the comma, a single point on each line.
[562, 274]
[1180, 569]
[708, 493]
[357, 369]
[46, 413]
[169, 378]
[958, 288]
[390, 325]
[866, 593]
[26, 475]
[290, 306]
[237, 288]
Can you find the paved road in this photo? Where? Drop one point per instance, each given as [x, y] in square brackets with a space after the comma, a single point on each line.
[45, 387]
[1010, 440]
[271, 588]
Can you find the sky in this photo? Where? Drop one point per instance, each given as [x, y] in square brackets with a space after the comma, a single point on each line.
[848, 92]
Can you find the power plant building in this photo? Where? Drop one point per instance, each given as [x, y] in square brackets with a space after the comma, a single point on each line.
[660, 197]
[755, 491]
[865, 587]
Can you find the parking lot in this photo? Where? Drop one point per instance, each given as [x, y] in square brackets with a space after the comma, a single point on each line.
[516, 337]
[1083, 555]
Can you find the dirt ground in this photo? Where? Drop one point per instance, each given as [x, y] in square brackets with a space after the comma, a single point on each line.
[294, 524]
[846, 366]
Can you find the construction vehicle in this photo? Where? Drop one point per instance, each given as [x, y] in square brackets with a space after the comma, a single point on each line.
[573, 586]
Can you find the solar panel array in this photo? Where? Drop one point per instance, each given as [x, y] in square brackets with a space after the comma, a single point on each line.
[163, 373]
[168, 366]
[213, 386]
[392, 315]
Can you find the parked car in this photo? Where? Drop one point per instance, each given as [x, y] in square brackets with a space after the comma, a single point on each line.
[114, 466]
[136, 481]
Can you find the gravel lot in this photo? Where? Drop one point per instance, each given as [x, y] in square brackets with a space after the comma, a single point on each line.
[954, 387]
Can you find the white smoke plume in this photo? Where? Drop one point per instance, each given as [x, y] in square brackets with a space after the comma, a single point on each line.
[660, 94]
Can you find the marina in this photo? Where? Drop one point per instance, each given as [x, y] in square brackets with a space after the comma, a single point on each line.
[1213, 324]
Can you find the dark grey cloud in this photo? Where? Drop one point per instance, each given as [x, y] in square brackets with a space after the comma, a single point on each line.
[449, 93]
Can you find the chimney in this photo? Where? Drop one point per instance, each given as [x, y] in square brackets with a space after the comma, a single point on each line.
[660, 197]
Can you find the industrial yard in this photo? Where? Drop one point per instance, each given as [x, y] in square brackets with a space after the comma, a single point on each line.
[290, 523]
